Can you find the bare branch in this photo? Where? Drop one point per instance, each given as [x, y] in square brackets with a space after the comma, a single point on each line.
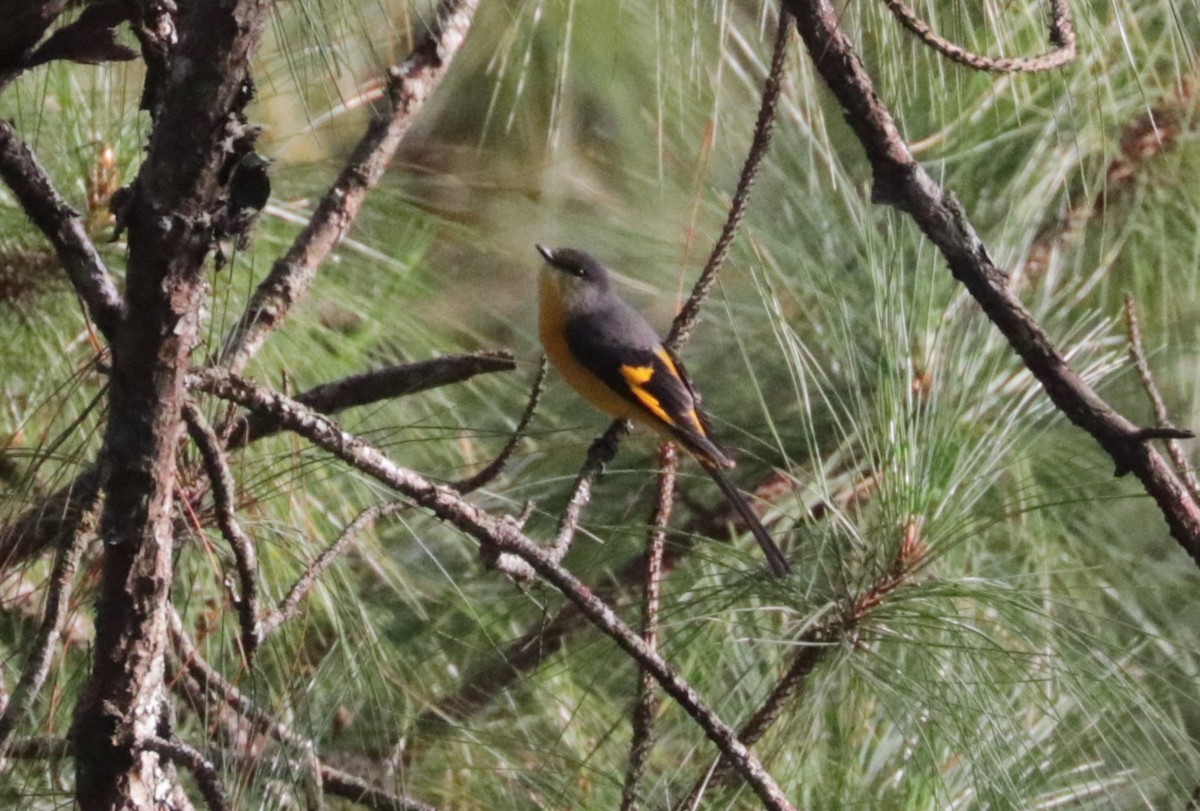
[545, 639]
[603, 617]
[812, 647]
[647, 705]
[51, 522]
[376, 385]
[357, 790]
[899, 180]
[503, 535]
[202, 769]
[685, 321]
[289, 606]
[45, 524]
[409, 85]
[24, 24]
[225, 502]
[496, 466]
[1062, 37]
[45, 644]
[63, 226]
[1138, 354]
[602, 451]
[332, 781]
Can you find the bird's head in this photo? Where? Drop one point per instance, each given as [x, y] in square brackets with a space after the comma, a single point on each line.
[574, 272]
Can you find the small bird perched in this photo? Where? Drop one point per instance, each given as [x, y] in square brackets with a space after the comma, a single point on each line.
[609, 354]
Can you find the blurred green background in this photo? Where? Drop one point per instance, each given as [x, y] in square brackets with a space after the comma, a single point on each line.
[1046, 654]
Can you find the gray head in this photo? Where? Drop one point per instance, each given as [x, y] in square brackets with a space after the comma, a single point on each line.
[584, 270]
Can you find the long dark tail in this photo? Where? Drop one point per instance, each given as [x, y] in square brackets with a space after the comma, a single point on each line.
[775, 559]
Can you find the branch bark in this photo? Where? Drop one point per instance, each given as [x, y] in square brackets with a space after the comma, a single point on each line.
[648, 701]
[224, 501]
[376, 385]
[409, 85]
[900, 181]
[178, 193]
[37, 665]
[63, 226]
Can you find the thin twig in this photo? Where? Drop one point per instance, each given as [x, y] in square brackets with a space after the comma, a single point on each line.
[1138, 354]
[217, 685]
[63, 226]
[501, 535]
[647, 703]
[289, 606]
[224, 503]
[812, 647]
[332, 781]
[409, 85]
[496, 466]
[546, 637]
[357, 790]
[685, 321]
[901, 181]
[1062, 37]
[207, 778]
[51, 521]
[376, 385]
[45, 644]
[602, 451]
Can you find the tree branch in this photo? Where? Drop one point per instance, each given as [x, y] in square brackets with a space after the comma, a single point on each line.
[409, 85]
[376, 385]
[224, 503]
[1138, 354]
[647, 703]
[900, 181]
[180, 191]
[289, 606]
[1062, 36]
[202, 769]
[501, 535]
[39, 747]
[46, 524]
[63, 226]
[545, 639]
[494, 468]
[685, 320]
[333, 781]
[45, 644]
[51, 522]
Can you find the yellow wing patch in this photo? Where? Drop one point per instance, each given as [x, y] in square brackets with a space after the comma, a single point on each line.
[637, 377]
[693, 417]
[665, 357]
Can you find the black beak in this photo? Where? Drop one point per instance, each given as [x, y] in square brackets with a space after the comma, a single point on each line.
[547, 253]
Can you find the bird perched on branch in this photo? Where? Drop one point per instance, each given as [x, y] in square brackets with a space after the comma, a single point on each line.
[609, 354]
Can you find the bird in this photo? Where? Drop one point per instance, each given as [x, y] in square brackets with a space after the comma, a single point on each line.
[615, 360]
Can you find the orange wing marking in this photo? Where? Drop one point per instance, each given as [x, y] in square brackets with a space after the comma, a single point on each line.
[637, 377]
[693, 417]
